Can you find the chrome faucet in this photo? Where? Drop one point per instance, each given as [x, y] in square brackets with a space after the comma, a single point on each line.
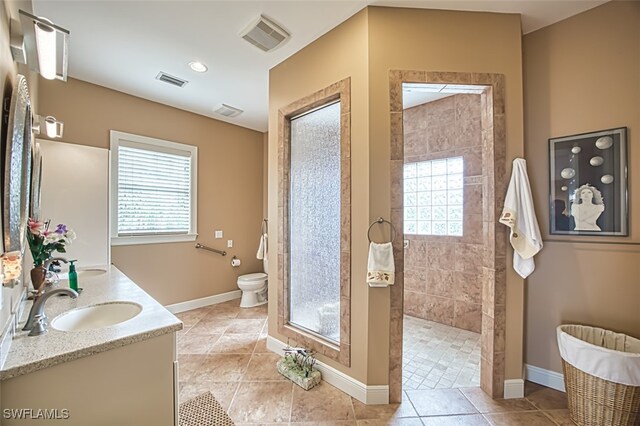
[37, 320]
[48, 263]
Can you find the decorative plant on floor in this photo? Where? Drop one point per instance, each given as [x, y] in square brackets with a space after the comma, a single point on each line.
[298, 366]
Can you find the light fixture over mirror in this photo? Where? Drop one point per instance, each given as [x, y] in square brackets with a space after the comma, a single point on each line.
[40, 44]
[48, 126]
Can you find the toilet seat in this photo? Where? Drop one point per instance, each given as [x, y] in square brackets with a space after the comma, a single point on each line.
[250, 278]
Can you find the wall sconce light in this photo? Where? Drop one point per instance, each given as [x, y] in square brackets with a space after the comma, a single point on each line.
[48, 126]
[11, 267]
[40, 44]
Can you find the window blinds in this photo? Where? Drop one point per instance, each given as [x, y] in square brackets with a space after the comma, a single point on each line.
[154, 190]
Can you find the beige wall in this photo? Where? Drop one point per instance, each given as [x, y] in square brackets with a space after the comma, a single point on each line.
[432, 40]
[582, 75]
[8, 71]
[265, 175]
[441, 282]
[230, 162]
[339, 54]
[365, 48]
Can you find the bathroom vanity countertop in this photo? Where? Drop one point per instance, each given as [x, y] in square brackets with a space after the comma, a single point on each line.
[29, 354]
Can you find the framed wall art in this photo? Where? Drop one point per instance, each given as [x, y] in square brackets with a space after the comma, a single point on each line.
[588, 184]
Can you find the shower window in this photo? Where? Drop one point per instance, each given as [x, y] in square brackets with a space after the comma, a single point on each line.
[314, 221]
[433, 197]
[314, 205]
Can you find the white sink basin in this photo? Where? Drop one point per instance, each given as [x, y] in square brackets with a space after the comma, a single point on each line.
[96, 316]
[84, 273]
[93, 272]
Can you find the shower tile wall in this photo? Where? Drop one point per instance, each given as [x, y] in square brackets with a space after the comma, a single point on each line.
[443, 274]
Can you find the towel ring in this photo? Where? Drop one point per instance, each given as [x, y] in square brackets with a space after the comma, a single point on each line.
[381, 220]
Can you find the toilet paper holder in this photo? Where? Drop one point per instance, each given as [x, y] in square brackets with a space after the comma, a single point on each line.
[235, 262]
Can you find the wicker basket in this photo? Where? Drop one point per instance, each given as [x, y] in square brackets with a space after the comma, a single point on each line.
[594, 401]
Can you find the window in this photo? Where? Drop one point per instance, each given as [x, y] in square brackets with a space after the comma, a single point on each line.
[433, 197]
[153, 190]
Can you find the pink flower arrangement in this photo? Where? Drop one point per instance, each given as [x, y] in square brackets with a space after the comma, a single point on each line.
[43, 241]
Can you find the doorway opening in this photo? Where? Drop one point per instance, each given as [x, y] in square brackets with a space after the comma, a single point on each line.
[442, 199]
[447, 165]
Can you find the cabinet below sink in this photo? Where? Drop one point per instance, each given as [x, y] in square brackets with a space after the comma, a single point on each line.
[130, 385]
[108, 358]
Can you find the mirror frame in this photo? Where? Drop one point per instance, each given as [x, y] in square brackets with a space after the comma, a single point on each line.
[17, 168]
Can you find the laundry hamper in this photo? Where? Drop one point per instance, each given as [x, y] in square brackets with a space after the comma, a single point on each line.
[601, 375]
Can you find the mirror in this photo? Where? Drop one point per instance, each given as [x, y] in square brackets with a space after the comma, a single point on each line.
[17, 168]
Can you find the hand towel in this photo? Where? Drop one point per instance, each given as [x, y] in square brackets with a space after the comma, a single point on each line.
[263, 251]
[262, 247]
[518, 214]
[381, 269]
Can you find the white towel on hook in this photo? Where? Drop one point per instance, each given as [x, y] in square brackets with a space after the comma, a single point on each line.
[518, 214]
[262, 247]
[263, 251]
[380, 269]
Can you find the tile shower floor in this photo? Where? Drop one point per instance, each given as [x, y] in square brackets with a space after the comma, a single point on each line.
[437, 356]
[222, 349]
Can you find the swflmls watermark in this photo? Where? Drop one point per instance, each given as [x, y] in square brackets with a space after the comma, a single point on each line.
[36, 413]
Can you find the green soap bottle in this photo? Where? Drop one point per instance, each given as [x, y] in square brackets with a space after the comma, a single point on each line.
[73, 276]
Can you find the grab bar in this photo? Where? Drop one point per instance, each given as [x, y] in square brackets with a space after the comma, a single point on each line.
[200, 246]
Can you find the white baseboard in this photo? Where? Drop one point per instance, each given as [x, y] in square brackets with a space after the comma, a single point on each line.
[547, 378]
[371, 395]
[513, 388]
[205, 301]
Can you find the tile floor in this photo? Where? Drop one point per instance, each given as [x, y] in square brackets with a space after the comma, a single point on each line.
[439, 356]
[223, 349]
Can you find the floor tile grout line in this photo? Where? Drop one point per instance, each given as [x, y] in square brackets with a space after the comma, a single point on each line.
[488, 420]
[291, 403]
[547, 415]
[410, 402]
[233, 398]
[470, 401]
[353, 408]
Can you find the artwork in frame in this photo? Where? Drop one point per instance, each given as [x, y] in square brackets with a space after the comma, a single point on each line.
[588, 184]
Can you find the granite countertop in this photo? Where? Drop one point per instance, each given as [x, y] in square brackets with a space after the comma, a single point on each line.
[29, 354]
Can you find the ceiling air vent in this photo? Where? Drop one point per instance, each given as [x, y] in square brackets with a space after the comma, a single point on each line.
[170, 79]
[229, 111]
[264, 34]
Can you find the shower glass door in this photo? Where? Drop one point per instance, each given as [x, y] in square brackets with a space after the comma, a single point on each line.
[314, 222]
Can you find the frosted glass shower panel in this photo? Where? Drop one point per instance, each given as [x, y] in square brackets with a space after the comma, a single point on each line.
[314, 222]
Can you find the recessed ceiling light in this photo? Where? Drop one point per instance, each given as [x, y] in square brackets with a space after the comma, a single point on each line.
[198, 66]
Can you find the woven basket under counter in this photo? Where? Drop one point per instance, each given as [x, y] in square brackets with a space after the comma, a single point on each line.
[597, 402]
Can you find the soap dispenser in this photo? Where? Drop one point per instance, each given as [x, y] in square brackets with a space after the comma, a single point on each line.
[73, 276]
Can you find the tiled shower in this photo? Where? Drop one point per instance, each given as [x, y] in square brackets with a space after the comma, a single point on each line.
[443, 243]
[443, 272]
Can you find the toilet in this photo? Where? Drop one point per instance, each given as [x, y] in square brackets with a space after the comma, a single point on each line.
[254, 289]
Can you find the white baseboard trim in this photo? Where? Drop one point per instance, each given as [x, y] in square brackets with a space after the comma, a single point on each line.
[513, 388]
[547, 378]
[370, 395]
[204, 301]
